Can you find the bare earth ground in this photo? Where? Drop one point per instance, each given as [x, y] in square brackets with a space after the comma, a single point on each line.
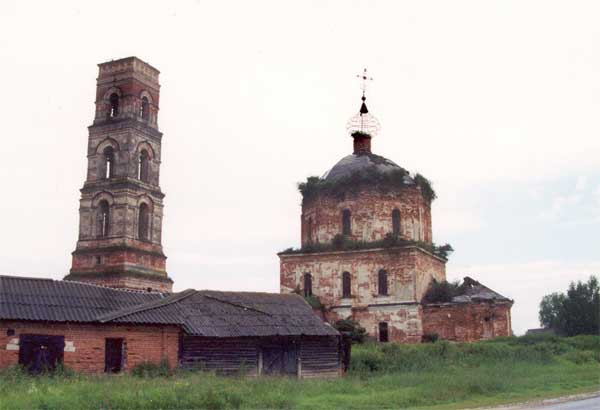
[587, 401]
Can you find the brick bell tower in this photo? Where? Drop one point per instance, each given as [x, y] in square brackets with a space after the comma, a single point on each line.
[121, 205]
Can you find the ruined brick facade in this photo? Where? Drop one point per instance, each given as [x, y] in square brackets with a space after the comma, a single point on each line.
[382, 287]
[85, 343]
[121, 206]
[467, 322]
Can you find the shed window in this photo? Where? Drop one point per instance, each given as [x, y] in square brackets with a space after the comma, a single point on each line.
[308, 284]
[383, 332]
[109, 162]
[143, 166]
[144, 216]
[382, 279]
[145, 109]
[346, 285]
[114, 105]
[396, 222]
[346, 222]
[103, 219]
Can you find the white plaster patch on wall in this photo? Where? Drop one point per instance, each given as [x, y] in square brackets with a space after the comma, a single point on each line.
[69, 346]
[13, 344]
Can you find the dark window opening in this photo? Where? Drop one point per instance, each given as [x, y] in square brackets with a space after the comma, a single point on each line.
[114, 105]
[109, 162]
[346, 222]
[308, 284]
[143, 165]
[41, 353]
[145, 109]
[383, 332]
[309, 230]
[346, 285]
[98, 260]
[382, 282]
[396, 222]
[103, 219]
[144, 216]
[114, 355]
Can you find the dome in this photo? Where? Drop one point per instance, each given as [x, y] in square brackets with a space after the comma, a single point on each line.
[362, 162]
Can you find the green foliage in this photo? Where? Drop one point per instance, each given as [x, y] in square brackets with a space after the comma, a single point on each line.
[348, 326]
[442, 292]
[575, 313]
[314, 302]
[356, 134]
[342, 243]
[382, 376]
[383, 182]
[150, 369]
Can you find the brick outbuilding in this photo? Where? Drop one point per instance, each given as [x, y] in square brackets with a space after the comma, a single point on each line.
[93, 329]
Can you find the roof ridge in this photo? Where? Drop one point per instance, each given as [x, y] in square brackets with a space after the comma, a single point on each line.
[176, 297]
[239, 305]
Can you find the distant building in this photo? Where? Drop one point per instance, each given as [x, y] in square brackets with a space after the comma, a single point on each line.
[367, 251]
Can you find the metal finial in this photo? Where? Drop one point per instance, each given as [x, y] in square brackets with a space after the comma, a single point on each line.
[363, 122]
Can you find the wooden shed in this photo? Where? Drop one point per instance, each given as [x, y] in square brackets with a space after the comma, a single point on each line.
[91, 328]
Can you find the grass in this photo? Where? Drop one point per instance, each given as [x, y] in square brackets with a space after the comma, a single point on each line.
[434, 376]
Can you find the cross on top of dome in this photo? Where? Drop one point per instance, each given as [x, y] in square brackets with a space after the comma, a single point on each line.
[363, 122]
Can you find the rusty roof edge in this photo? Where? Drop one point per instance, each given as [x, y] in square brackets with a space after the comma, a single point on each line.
[147, 306]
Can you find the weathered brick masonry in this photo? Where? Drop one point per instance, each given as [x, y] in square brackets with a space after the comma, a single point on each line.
[467, 322]
[85, 344]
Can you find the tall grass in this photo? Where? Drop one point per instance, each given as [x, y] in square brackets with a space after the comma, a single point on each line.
[381, 376]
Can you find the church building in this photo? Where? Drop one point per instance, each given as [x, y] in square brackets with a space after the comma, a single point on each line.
[367, 252]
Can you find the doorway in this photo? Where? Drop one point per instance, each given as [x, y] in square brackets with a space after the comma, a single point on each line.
[114, 355]
[41, 353]
[280, 359]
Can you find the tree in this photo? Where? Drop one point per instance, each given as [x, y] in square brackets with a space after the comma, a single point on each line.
[351, 328]
[574, 313]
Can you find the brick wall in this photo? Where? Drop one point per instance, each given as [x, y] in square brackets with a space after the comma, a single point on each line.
[467, 322]
[371, 212]
[86, 343]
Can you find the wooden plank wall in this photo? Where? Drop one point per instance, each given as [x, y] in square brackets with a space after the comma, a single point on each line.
[319, 356]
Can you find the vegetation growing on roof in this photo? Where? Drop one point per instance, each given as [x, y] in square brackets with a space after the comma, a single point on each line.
[382, 181]
[342, 243]
[443, 292]
[357, 134]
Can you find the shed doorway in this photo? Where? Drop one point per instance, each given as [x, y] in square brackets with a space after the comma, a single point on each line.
[280, 359]
[113, 355]
[41, 353]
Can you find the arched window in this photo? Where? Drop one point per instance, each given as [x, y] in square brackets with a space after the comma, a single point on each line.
[143, 166]
[109, 162]
[346, 222]
[396, 222]
[103, 219]
[307, 284]
[143, 222]
[145, 109]
[309, 234]
[383, 332]
[346, 285]
[114, 105]
[382, 282]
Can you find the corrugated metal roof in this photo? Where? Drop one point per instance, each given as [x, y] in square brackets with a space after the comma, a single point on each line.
[202, 313]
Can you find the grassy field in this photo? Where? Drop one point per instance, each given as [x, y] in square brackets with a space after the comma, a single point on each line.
[432, 376]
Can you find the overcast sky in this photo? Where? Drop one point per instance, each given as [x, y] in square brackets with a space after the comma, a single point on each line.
[495, 101]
